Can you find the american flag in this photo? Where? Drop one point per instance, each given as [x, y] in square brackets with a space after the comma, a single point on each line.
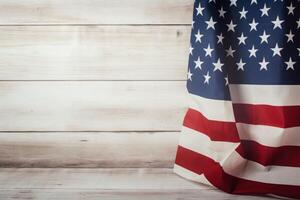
[241, 133]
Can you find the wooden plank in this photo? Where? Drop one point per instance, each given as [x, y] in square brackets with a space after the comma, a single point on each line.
[105, 179]
[79, 194]
[77, 149]
[94, 52]
[92, 105]
[96, 12]
[108, 184]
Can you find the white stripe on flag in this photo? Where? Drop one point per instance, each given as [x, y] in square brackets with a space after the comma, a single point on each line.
[236, 165]
[212, 109]
[266, 94]
[269, 136]
[256, 172]
[191, 175]
[199, 142]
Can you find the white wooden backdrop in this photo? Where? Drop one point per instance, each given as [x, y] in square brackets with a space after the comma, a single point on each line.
[92, 83]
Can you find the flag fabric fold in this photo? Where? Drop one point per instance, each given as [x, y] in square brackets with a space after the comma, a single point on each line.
[241, 132]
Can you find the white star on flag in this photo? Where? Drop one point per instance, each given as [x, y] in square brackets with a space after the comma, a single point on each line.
[290, 36]
[189, 75]
[252, 52]
[290, 64]
[242, 39]
[276, 50]
[198, 36]
[207, 77]
[253, 1]
[264, 11]
[240, 65]
[277, 23]
[200, 10]
[211, 23]
[233, 2]
[291, 9]
[253, 25]
[264, 37]
[298, 23]
[191, 50]
[222, 12]
[220, 38]
[231, 26]
[263, 64]
[243, 13]
[208, 51]
[218, 65]
[198, 63]
[230, 52]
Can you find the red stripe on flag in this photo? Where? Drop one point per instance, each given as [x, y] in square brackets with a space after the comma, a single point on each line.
[215, 130]
[265, 155]
[215, 174]
[278, 116]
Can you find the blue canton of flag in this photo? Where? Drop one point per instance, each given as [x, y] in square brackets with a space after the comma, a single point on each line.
[243, 42]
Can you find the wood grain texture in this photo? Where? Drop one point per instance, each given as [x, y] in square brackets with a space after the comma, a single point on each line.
[92, 105]
[94, 52]
[92, 194]
[108, 184]
[90, 150]
[109, 179]
[96, 12]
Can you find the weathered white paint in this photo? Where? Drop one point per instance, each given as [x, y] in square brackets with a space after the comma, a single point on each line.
[88, 149]
[116, 178]
[94, 194]
[93, 52]
[92, 105]
[96, 12]
[109, 184]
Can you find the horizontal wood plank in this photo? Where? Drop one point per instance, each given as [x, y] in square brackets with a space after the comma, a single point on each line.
[87, 194]
[115, 178]
[108, 184]
[94, 52]
[77, 149]
[92, 105]
[96, 12]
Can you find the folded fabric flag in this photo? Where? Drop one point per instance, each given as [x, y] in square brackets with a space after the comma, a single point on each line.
[241, 133]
